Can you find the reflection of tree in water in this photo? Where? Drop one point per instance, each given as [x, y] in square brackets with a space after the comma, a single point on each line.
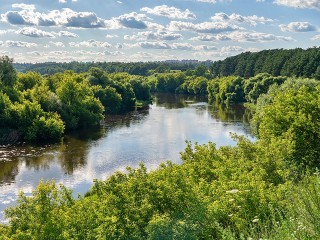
[173, 101]
[39, 163]
[8, 171]
[72, 153]
[232, 113]
[113, 122]
[31, 156]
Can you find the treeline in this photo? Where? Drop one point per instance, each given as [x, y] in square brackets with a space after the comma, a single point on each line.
[267, 189]
[37, 107]
[133, 68]
[278, 62]
[296, 62]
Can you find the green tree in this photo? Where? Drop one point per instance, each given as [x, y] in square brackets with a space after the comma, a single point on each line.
[226, 90]
[79, 106]
[28, 80]
[8, 74]
[291, 121]
[5, 105]
[110, 99]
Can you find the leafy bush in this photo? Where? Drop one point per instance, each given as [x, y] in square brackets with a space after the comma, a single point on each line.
[226, 90]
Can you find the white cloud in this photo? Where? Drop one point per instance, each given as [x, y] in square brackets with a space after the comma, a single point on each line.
[34, 32]
[29, 7]
[57, 44]
[70, 18]
[59, 53]
[34, 53]
[133, 20]
[297, 27]
[111, 36]
[170, 12]
[62, 1]
[159, 35]
[252, 20]
[204, 38]
[154, 45]
[83, 52]
[175, 46]
[67, 34]
[118, 46]
[182, 46]
[3, 52]
[205, 48]
[205, 27]
[65, 17]
[91, 43]
[115, 53]
[250, 37]
[316, 37]
[229, 51]
[20, 44]
[311, 4]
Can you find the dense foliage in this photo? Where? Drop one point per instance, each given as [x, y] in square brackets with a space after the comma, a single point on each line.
[267, 189]
[42, 107]
[278, 62]
[241, 192]
[226, 89]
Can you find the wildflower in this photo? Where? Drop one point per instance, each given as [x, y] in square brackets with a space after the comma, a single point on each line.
[255, 220]
[233, 191]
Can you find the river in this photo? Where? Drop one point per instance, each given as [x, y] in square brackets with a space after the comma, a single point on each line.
[151, 136]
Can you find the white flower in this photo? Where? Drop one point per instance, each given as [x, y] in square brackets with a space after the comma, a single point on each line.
[233, 191]
[255, 220]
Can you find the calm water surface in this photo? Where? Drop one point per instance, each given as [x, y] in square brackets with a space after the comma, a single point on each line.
[152, 135]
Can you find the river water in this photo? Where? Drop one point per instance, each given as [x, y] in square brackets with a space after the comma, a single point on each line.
[151, 135]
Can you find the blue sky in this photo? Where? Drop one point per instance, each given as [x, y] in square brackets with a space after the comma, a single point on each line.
[152, 30]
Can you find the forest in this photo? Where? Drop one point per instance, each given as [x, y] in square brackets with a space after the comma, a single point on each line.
[296, 62]
[266, 189]
[134, 68]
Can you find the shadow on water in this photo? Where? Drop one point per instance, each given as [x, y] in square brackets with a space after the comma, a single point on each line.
[113, 122]
[231, 113]
[175, 101]
[8, 171]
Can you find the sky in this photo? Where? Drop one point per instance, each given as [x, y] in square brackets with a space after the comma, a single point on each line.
[153, 30]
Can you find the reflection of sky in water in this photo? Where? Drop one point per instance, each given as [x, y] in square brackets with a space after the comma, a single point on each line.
[151, 137]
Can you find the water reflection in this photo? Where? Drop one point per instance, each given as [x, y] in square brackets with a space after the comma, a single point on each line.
[151, 136]
[8, 171]
[233, 113]
[174, 101]
[117, 121]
